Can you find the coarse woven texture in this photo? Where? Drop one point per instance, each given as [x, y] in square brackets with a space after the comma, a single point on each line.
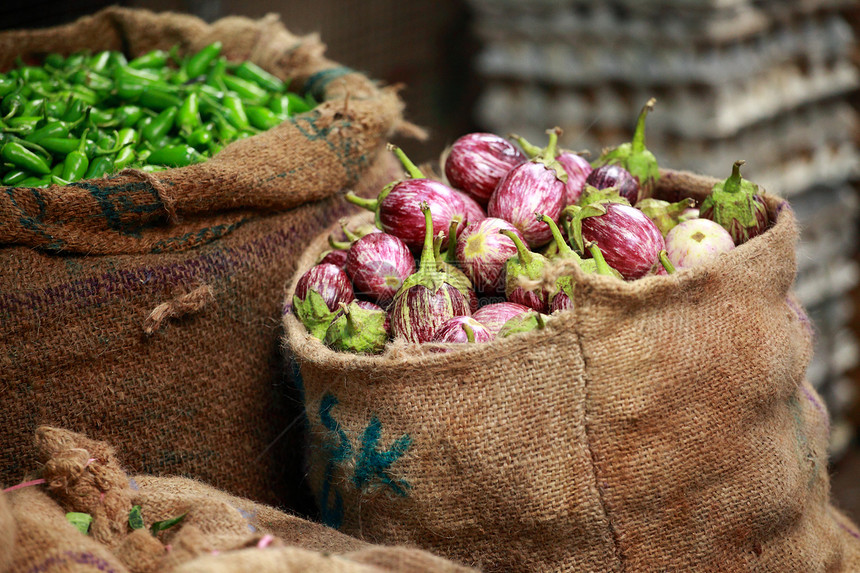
[145, 309]
[662, 425]
[306, 158]
[219, 532]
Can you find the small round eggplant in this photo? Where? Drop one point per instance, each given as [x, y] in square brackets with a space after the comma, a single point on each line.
[378, 264]
[616, 177]
[736, 205]
[696, 242]
[630, 241]
[482, 253]
[477, 161]
[462, 329]
[318, 295]
[494, 316]
[361, 327]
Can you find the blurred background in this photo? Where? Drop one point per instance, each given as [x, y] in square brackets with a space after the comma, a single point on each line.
[774, 82]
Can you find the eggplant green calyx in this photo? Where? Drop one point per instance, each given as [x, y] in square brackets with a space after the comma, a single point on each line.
[411, 168]
[525, 263]
[592, 195]
[525, 322]
[372, 204]
[563, 250]
[664, 214]
[357, 329]
[546, 156]
[575, 214]
[428, 274]
[634, 156]
[733, 200]
[314, 313]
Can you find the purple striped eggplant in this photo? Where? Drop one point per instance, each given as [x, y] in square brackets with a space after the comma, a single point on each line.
[397, 207]
[635, 158]
[318, 295]
[378, 264]
[536, 185]
[528, 265]
[494, 316]
[574, 164]
[630, 241]
[462, 329]
[615, 177]
[427, 299]
[477, 161]
[482, 253]
[736, 205]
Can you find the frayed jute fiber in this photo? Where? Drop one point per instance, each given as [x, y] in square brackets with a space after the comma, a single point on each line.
[664, 424]
[217, 533]
[144, 309]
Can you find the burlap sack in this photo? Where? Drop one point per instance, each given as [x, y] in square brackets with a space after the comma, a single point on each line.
[663, 425]
[143, 308]
[219, 532]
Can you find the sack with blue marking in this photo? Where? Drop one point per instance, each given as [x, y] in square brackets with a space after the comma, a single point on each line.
[663, 424]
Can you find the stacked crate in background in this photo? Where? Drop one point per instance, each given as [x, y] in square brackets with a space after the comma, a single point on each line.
[770, 82]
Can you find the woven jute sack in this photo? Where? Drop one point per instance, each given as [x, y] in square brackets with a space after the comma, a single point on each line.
[662, 425]
[217, 533]
[144, 308]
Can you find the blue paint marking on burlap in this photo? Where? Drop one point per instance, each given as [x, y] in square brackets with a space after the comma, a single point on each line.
[371, 466]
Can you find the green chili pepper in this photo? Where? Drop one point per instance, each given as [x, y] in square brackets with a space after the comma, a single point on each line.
[16, 154]
[51, 129]
[54, 109]
[234, 111]
[12, 178]
[131, 83]
[35, 106]
[85, 94]
[200, 138]
[99, 167]
[101, 117]
[197, 64]
[226, 131]
[215, 77]
[175, 156]
[75, 110]
[280, 104]
[152, 168]
[57, 180]
[160, 97]
[60, 145]
[13, 103]
[124, 157]
[53, 61]
[160, 126]
[253, 73]
[35, 182]
[262, 117]
[128, 115]
[246, 90]
[297, 103]
[74, 61]
[100, 61]
[153, 59]
[188, 116]
[31, 73]
[77, 162]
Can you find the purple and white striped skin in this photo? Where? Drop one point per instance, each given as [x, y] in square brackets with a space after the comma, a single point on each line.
[482, 253]
[630, 241]
[494, 316]
[453, 330]
[696, 242]
[578, 169]
[524, 190]
[477, 161]
[336, 257]
[560, 301]
[418, 312]
[472, 210]
[400, 214]
[378, 264]
[615, 176]
[330, 282]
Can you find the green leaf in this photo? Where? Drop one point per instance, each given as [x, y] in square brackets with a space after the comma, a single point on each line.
[135, 519]
[166, 524]
[81, 521]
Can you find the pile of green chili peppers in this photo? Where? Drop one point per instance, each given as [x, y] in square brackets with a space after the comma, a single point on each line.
[87, 115]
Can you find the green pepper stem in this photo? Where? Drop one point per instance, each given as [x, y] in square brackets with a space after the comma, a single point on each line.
[369, 204]
[637, 144]
[524, 254]
[667, 264]
[410, 167]
[470, 333]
